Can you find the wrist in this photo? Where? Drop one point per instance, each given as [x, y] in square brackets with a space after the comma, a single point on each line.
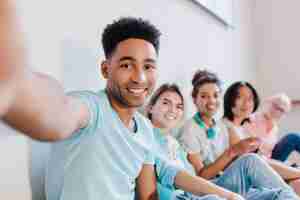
[232, 153]
[230, 195]
[235, 196]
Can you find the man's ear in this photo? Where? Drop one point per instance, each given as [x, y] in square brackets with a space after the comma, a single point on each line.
[104, 68]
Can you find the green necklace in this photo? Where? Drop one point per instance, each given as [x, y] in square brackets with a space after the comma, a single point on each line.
[210, 132]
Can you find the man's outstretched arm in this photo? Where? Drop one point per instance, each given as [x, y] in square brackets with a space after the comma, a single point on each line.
[32, 103]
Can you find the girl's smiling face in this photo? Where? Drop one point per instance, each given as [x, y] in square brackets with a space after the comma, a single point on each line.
[167, 111]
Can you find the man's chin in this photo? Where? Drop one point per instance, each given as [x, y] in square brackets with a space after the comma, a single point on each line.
[135, 104]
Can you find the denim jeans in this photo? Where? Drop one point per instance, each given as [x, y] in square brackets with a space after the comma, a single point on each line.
[288, 144]
[188, 196]
[250, 172]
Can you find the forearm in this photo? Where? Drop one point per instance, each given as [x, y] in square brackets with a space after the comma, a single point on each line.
[41, 110]
[32, 103]
[285, 171]
[146, 184]
[199, 186]
[219, 165]
[9, 54]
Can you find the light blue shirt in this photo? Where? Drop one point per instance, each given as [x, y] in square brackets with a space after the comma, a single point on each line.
[102, 160]
[170, 150]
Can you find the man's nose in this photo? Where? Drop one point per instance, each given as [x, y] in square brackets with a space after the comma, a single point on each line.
[139, 76]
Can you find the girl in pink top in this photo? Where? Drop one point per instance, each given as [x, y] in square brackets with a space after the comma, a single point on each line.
[243, 115]
[263, 123]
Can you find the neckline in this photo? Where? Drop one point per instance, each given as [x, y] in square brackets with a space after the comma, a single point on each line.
[160, 135]
[211, 132]
[119, 121]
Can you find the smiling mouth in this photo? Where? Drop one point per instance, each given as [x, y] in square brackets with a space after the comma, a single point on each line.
[170, 117]
[137, 91]
[211, 107]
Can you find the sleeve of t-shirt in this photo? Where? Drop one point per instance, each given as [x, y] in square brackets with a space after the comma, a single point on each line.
[189, 140]
[91, 100]
[149, 158]
[166, 172]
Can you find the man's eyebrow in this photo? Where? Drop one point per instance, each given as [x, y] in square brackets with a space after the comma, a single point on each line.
[127, 58]
[150, 60]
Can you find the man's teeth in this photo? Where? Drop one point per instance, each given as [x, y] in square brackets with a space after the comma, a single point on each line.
[136, 91]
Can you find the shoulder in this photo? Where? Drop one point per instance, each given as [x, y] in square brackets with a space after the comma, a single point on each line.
[189, 126]
[94, 103]
[222, 124]
[143, 120]
[144, 123]
[191, 132]
[89, 98]
[82, 93]
[222, 127]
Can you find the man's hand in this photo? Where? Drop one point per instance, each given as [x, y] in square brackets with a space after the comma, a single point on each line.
[245, 146]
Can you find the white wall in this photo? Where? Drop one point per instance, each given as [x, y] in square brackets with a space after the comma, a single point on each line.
[64, 41]
[277, 39]
[40, 33]
[191, 40]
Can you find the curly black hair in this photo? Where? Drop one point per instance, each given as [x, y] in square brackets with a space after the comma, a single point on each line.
[202, 77]
[129, 27]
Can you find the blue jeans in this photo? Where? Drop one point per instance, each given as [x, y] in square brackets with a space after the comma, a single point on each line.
[188, 196]
[288, 144]
[250, 172]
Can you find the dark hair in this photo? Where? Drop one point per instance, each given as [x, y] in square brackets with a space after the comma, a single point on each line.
[231, 95]
[126, 28]
[202, 77]
[162, 89]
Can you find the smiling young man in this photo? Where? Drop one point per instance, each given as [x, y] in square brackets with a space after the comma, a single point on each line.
[103, 148]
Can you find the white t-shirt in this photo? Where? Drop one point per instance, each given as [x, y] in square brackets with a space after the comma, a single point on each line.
[194, 139]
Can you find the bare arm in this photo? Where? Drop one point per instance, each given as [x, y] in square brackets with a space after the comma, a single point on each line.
[200, 186]
[215, 168]
[31, 102]
[285, 171]
[146, 184]
[9, 49]
[42, 111]
[237, 148]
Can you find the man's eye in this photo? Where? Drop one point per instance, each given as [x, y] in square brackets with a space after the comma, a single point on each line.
[125, 65]
[149, 67]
